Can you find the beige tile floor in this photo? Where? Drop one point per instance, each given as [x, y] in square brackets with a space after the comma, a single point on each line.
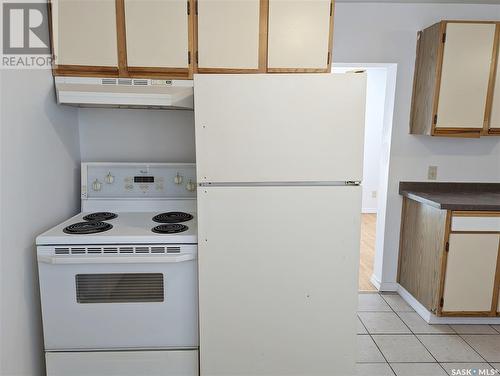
[393, 340]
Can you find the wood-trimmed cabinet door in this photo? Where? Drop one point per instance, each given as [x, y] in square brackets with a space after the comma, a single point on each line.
[300, 35]
[494, 121]
[470, 273]
[157, 37]
[229, 36]
[84, 36]
[465, 76]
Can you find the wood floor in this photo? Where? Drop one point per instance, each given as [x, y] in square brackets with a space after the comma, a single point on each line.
[367, 252]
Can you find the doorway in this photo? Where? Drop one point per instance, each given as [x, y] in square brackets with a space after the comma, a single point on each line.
[380, 92]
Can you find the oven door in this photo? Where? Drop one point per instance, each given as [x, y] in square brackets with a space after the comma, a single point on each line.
[118, 301]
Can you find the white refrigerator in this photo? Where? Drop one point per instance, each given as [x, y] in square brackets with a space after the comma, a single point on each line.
[279, 162]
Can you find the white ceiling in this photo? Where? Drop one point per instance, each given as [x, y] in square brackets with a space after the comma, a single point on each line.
[423, 1]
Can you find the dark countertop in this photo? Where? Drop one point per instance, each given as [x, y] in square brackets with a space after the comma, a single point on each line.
[454, 196]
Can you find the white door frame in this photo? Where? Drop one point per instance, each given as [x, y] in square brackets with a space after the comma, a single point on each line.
[377, 277]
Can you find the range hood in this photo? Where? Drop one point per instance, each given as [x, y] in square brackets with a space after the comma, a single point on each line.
[124, 92]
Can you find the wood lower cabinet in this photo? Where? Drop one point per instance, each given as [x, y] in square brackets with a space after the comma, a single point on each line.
[449, 260]
[454, 79]
[84, 36]
[423, 234]
[157, 36]
[299, 35]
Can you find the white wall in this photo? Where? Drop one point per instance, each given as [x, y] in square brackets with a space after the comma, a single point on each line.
[375, 101]
[121, 135]
[39, 169]
[386, 33]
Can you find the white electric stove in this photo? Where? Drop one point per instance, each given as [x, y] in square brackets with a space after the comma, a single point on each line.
[118, 282]
[126, 227]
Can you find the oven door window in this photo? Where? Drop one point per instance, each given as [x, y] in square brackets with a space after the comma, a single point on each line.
[120, 288]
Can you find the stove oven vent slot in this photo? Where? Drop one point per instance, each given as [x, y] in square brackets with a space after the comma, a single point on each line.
[62, 251]
[103, 250]
[124, 81]
[141, 82]
[108, 81]
[173, 249]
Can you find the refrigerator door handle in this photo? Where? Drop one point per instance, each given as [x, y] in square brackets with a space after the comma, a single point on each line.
[283, 184]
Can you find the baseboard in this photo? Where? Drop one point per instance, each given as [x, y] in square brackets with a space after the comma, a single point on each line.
[375, 282]
[431, 318]
[383, 286]
[369, 210]
[414, 303]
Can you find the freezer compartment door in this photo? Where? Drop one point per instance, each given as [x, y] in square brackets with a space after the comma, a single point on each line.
[271, 128]
[278, 280]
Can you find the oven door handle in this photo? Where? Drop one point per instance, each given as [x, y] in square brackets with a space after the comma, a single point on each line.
[68, 260]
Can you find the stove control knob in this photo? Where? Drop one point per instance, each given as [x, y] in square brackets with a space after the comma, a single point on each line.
[190, 186]
[96, 185]
[178, 179]
[109, 178]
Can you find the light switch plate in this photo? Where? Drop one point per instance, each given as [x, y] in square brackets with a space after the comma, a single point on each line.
[432, 173]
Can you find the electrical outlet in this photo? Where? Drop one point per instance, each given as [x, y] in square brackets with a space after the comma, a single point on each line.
[432, 173]
[374, 194]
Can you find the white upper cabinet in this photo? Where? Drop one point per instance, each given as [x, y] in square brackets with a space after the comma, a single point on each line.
[299, 34]
[228, 34]
[465, 76]
[84, 32]
[157, 33]
[173, 39]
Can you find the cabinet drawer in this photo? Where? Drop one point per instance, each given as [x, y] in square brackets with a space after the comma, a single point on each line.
[123, 363]
[480, 223]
